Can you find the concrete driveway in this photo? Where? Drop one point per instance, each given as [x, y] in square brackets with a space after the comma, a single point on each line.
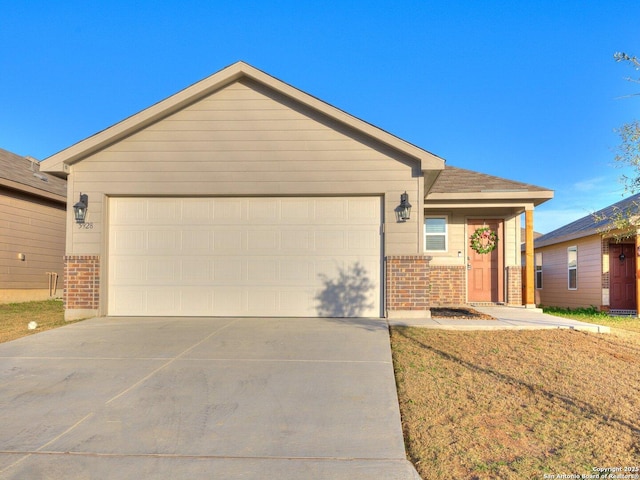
[139, 398]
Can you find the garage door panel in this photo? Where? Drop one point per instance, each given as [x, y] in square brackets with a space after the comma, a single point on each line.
[127, 211]
[262, 272]
[196, 271]
[263, 300]
[197, 211]
[295, 241]
[229, 211]
[298, 269]
[127, 271]
[197, 242]
[227, 299]
[242, 256]
[164, 212]
[128, 242]
[228, 241]
[163, 271]
[263, 240]
[265, 212]
[330, 241]
[127, 301]
[195, 300]
[230, 271]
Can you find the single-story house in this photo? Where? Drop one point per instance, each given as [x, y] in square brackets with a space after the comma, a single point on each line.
[587, 263]
[242, 195]
[32, 230]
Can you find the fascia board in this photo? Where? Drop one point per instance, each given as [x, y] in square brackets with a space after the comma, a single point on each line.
[566, 238]
[32, 191]
[535, 197]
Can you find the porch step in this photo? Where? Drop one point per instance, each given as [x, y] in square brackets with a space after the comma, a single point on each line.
[486, 304]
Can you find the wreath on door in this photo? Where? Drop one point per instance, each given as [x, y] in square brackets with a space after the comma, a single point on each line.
[484, 240]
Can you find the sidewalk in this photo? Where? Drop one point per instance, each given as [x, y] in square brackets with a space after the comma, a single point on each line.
[516, 318]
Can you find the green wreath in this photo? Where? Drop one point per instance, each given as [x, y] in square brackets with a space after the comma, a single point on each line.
[484, 240]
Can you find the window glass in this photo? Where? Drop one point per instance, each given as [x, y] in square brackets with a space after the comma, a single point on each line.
[572, 267]
[539, 270]
[435, 234]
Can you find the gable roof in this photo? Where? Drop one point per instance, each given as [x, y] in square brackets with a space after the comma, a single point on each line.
[23, 174]
[59, 163]
[589, 224]
[455, 183]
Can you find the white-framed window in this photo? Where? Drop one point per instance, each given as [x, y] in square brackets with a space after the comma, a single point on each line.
[435, 234]
[539, 270]
[572, 268]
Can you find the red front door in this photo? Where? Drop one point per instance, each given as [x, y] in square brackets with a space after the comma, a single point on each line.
[622, 276]
[484, 270]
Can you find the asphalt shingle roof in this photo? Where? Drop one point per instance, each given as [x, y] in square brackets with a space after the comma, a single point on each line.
[25, 171]
[589, 224]
[459, 180]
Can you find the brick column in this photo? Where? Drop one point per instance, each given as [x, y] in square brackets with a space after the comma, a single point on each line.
[407, 286]
[81, 285]
[514, 285]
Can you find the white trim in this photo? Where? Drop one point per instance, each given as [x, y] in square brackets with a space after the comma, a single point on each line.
[446, 232]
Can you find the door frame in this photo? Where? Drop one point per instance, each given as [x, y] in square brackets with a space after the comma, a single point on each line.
[612, 261]
[500, 287]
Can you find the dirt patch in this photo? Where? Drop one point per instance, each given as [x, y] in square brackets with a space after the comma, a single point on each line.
[463, 313]
[517, 404]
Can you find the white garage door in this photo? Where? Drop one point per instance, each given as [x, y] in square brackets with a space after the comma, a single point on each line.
[245, 256]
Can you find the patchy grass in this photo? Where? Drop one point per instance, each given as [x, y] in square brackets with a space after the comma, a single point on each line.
[517, 404]
[619, 325]
[14, 318]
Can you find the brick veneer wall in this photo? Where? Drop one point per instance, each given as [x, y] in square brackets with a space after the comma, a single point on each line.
[81, 282]
[407, 282]
[448, 285]
[514, 285]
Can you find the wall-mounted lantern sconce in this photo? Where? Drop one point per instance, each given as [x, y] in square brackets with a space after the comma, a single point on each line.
[80, 208]
[622, 257]
[403, 211]
[459, 253]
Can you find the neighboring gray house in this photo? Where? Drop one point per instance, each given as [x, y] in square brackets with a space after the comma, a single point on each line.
[32, 230]
[242, 195]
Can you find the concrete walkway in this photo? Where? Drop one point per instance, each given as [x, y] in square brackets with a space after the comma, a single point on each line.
[514, 318]
[196, 398]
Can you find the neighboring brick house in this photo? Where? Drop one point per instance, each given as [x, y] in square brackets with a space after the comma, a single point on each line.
[242, 195]
[32, 230]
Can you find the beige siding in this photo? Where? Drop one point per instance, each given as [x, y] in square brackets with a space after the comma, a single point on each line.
[36, 229]
[247, 140]
[458, 237]
[555, 291]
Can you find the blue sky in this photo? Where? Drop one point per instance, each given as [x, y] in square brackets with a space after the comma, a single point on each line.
[526, 90]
